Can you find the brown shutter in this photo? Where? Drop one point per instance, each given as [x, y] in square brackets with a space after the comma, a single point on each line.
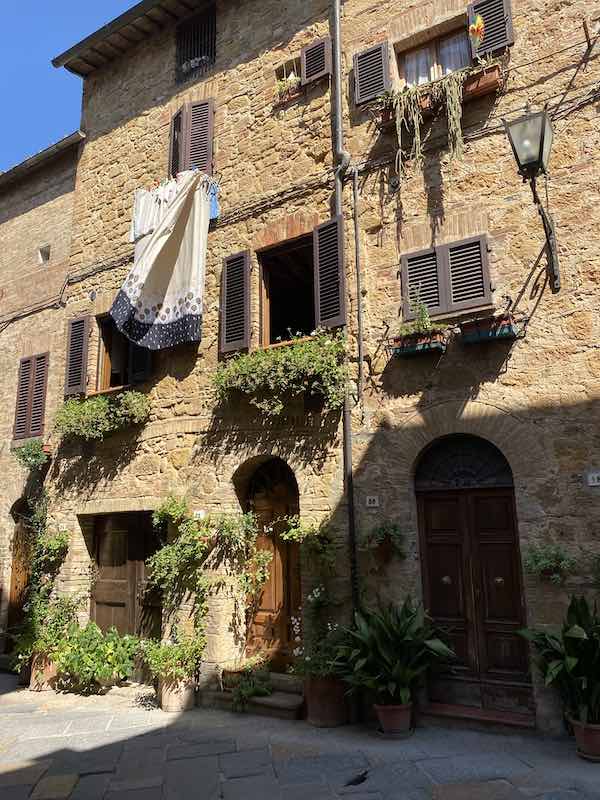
[497, 17]
[328, 253]
[371, 73]
[315, 60]
[176, 144]
[466, 264]
[199, 127]
[38, 394]
[31, 396]
[423, 279]
[22, 412]
[140, 363]
[77, 350]
[235, 303]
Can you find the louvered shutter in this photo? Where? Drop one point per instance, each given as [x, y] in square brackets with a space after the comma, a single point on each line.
[176, 144]
[315, 60]
[422, 279]
[466, 264]
[235, 303]
[328, 253]
[77, 350]
[199, 136]
[497, 17]
[140, 363]
[38, 394]
[31, 396]
[23, 394]
[371, 73]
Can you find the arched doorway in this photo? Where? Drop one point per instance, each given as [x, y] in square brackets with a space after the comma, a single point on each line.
[272, 495]
[472, 578]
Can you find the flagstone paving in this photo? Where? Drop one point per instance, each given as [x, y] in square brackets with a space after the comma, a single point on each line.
[121, 747]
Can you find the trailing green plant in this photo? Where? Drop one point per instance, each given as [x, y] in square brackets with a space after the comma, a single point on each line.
[386, 532]
[270, 377]
[406, 106]
[287, 86]
[95, 418]
[87, 659]
[316, 540]
[177, 660]
[31, 455]
[47, 622]
[549, 562]
[570, 660]
[252, 682]
[390, 651]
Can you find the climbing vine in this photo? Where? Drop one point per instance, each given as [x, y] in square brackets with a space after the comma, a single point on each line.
[94, 418]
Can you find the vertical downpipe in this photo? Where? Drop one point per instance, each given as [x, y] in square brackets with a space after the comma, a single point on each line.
[341, 161]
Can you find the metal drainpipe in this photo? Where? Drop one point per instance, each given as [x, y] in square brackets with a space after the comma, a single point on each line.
[359, 308]
[341, 161]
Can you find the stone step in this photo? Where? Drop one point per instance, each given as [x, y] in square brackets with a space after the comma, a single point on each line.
[281, 705]
[282, 682]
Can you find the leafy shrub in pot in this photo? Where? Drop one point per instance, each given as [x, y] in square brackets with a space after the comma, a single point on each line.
[570, 662]
[175, 665]
[389, 652]
[324, 691]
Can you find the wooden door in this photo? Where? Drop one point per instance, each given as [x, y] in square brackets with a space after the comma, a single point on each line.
[19, 577]
[271, 629]
[123, 542]
[473, 590]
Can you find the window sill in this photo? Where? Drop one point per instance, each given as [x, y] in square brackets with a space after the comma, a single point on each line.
[112, 390]
[274, 346]
[17, 443]
[288, 98]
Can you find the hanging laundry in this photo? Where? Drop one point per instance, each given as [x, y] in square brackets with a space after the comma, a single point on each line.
[160, 303]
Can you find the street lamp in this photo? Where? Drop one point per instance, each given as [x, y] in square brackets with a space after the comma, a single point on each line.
[530, 137]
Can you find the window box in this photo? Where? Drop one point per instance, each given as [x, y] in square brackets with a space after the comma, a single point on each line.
[288, 96]
[415, 344]
[482, 81]
[491, 328]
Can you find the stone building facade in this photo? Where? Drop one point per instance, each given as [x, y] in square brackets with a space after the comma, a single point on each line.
[432, 436]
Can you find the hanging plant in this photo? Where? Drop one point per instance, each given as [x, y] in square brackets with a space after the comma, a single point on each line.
[31, 455]
[549, 562]
[271, 377]
[96, 417]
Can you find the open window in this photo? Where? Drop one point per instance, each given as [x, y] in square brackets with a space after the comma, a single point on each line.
[120, 362]
[436, 59]
[288, 290]
[196, 48]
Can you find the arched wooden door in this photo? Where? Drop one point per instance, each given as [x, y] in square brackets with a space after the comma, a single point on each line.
[472, 578]
[273, 495]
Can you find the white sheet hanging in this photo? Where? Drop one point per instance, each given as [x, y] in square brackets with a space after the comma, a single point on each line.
[160, 303]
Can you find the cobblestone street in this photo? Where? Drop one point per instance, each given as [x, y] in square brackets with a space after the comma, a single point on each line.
[121, 747]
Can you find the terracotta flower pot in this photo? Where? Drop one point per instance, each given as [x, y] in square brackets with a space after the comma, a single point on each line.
[394, 720]
[176, 696]
[326, 705]
[588, 740]
[43, 674]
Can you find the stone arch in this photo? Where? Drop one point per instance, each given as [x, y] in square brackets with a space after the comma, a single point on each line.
[461, 461]
[250, 471]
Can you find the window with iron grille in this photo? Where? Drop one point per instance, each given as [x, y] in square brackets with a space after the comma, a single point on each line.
[196, 45]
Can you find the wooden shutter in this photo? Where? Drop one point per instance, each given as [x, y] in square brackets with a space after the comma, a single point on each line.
[235, 303]
[176, 144]
[328, 254]
[31, 396]
[315, 60]
[196, 45]
[497, 17]
[371, 73]
[199, 136]
[422, 278]
[140, 363]
[77, 351]
[466, 264]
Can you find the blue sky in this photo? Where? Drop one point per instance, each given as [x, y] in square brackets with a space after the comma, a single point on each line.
[41, 104]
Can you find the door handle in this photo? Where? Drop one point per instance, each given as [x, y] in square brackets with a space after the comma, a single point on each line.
[446, 580]
[499, 581]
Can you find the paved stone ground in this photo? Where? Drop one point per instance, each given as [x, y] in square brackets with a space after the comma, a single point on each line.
[121, 747]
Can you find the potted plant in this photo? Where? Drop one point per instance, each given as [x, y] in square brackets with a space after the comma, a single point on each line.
[491, 327]
[570, 661]
[548, 562]
[175, 665]
[288, 88]
[389, 652]
[385, 541]
[324, 690]
[420, 335]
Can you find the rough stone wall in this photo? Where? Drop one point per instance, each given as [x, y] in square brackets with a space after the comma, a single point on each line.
[538, 402]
